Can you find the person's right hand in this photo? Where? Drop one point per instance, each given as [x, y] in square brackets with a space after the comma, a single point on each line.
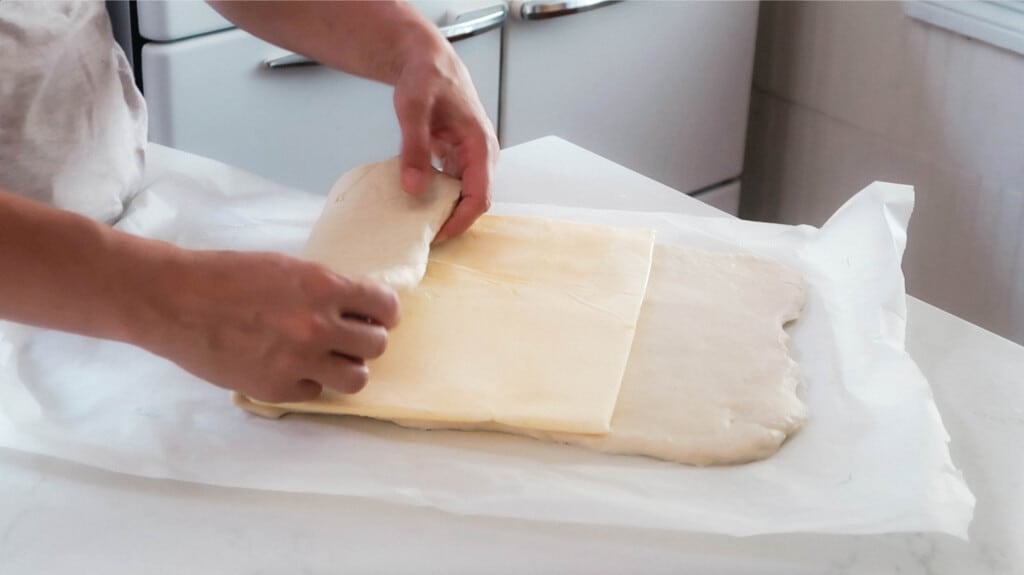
[440, 113]
[274, 328]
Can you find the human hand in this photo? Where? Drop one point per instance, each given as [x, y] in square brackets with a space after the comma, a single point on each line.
[437, 106]
[440, 114]
[275, 328]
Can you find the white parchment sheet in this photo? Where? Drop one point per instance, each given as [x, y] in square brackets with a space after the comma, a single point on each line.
[873, 457]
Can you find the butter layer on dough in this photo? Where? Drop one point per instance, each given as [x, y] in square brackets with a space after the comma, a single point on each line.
[525, 322]
[709, 379]
[370, 227]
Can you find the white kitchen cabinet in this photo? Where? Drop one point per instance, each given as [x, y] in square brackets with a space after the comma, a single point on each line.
[725, 197]
[165, 20]
[659, 87]
[299, 125]
[662, 88]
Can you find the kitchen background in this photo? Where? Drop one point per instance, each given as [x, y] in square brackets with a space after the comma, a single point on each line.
[850, 92]
[777, 111]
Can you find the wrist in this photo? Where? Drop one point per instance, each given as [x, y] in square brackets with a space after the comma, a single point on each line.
[420, 46]
[151, 282]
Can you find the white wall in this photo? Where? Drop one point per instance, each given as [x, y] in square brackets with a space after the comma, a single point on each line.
[850, 92]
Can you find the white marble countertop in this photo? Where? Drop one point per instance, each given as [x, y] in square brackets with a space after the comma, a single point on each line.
[58, 517]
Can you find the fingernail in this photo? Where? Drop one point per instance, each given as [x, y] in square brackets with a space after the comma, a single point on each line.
[412, 180]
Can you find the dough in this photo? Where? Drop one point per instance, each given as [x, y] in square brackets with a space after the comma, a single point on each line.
[524, 325]
[709, 379]
[525, 322]
[371, 227]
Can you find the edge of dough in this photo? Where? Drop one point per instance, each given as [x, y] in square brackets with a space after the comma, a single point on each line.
[759, 440]
[371, 227]
[261, 409]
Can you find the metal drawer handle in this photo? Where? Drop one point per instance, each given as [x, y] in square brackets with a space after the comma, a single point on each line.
[541, 10]
[475, 22]
[289, 61]
[466, 25]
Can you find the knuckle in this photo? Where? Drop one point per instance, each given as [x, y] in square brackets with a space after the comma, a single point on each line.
[282, 363]
[481, 136]
[482, 133]
[360, 288]
[318, 281]
[344, 285]
[275, 394]
[317, 329]
[380, 298]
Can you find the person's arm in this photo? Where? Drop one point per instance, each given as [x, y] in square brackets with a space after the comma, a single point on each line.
[437, 106]
[273, 327]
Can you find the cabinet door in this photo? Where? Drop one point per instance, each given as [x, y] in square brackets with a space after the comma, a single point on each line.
[165, 20]
[301, 126]
[659, 87]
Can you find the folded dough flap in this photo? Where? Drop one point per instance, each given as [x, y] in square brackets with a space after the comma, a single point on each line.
[526, 322]
[370, 227]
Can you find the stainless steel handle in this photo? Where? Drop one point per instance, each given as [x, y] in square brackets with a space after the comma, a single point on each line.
[475, 22]
[289, 61]
[464, 26]
[541, 10]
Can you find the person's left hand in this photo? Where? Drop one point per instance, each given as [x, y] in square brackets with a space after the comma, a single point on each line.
[440, 114]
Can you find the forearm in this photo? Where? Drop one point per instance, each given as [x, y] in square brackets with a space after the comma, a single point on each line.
[369, 39]
[63, 271]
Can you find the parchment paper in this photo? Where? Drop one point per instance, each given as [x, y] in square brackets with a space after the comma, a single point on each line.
[873, 457]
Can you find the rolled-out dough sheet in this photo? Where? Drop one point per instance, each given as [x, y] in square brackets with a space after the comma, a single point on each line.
[709, 379]
[371, 228]
[525, 322]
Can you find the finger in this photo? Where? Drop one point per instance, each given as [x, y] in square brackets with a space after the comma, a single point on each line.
[363, 298]
[344, 375]
[414, 121]
[359, 339]
[438, 150]
[475, 199]
[306, 390]
[302, 390]
[446, 157]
